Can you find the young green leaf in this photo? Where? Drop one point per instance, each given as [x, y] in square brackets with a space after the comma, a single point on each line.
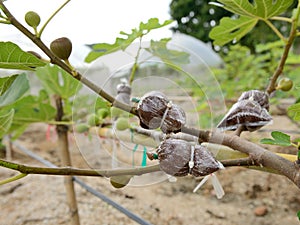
[101, 49]
[13, 57]
[279, 138]
[231, 29]
[15, 91]
[30, 109]
[295, 111]
[6, 119]
[153, 23]
[57, 81]
[262, 9]
[5, 83]
[159, 49]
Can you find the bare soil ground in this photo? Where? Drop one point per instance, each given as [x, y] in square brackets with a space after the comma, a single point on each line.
[251, 197]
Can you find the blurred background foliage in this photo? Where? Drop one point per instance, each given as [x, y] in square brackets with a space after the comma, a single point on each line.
[198, 17]
[248, 64]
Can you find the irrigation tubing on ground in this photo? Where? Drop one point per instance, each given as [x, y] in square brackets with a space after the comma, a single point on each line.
[96, 193]
[112, 203]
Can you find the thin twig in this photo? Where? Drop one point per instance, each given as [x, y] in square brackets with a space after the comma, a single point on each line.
[280, 18]
[78, 172]
[135, 65]
[14, 178]
[293, 33]
[276, 31]
[39, 34]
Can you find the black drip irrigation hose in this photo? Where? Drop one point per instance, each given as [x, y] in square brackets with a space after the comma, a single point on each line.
[96, 193]
[112, 203]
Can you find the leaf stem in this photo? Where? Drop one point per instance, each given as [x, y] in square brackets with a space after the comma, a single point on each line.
[135, 65]
[39, 34]
[280, 18]
[276, 31]
[4, 22]
[14, 178]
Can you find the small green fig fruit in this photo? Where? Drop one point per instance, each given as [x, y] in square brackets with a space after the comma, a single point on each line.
[285, 84]
[122, 124]
[61, 47]
[82, 127]
[120, 181]
[102, 113]
[32, 19]
[115, 112]
[93, 120]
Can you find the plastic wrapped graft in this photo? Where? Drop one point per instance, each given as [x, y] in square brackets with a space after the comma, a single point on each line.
[123, 92]
[156, 111]
[262, 98]
[180, 158]
[250, 111]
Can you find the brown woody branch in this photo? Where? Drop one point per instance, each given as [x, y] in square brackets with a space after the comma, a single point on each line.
[259, 155]
[293, 33]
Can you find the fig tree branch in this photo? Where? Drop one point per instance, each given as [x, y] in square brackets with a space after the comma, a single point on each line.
[223, 153]
[293, 34]
[78, 172]
[51, 17]
[258, 154]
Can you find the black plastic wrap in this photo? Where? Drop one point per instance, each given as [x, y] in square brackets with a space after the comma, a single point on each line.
[250, 111]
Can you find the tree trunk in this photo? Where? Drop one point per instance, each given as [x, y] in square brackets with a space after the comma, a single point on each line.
[63, 147]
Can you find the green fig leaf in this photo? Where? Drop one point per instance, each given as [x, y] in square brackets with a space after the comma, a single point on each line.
[57, 81]
[6, 119]
[169, 56]
[5, 83]
[13, 57]
[231, 29]
[294, 110]
[30, 109]
[18, 87]
[263, 9]
[279, 138]
[121, 43]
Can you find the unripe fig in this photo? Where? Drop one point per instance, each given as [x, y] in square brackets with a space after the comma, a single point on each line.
[285, 84]
[122, 124]
[93, 120]
[82, 127]
[115, 112]
[102, 113]
[61, 47]
[120, 181]
[32, 19]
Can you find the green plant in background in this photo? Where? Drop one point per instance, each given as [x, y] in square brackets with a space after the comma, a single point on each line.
[198, 18]
[244, 70]
[156, 48]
